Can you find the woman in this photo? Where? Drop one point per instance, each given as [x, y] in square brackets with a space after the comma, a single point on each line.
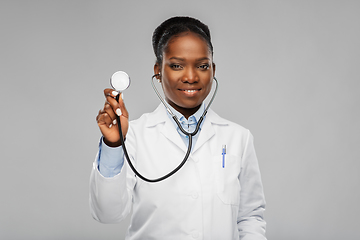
[214, 195]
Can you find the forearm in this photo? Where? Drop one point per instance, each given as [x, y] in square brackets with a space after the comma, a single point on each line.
[110, 159]
[251, 223]
[110, 199]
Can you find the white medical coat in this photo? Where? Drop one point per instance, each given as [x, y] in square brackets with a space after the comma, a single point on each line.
[202, 200]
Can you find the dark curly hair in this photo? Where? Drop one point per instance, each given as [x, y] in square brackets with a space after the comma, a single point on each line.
[174, 27]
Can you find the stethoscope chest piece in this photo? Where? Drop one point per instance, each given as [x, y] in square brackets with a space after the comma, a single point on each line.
[120, 81]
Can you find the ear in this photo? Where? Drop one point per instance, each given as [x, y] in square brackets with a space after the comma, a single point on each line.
[157, 70]
[214, 67]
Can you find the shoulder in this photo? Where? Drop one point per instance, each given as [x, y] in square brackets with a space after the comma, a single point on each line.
[216, 120]
[235, 136]
[230, 131]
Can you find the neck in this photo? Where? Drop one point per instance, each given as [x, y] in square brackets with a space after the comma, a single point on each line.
[186, 112]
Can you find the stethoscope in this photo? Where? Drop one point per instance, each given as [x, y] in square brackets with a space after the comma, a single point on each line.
[120, 81]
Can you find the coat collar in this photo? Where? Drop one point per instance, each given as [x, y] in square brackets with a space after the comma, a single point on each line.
[160, 116]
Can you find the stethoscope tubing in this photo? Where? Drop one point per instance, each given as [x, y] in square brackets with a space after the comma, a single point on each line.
[190, 135]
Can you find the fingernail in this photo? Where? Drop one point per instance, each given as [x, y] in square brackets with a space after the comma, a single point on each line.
[122, 96]
[110, 125]
[115, 93]
[114, 122]
[118, 112]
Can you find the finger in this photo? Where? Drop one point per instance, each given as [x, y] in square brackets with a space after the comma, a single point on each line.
[123, 109]
[118, 107]
[101, 111]
[108, 109]
[97, 116]
[114, 105]
[104, 119]
[110, 92]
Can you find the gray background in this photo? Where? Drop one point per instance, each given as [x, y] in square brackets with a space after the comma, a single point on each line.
[288, 71]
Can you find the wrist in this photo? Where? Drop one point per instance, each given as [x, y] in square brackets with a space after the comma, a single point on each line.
[112, 144]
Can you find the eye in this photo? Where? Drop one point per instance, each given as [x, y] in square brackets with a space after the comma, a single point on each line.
[175, 66]
[204, 66]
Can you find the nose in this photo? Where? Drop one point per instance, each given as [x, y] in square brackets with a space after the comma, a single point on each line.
[190, 76]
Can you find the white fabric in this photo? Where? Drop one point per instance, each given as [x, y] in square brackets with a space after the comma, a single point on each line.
[201, 201]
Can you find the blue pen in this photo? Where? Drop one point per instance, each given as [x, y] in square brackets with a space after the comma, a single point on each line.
[223, 154]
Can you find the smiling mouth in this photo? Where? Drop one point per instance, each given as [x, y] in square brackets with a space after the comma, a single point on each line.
[190, 90]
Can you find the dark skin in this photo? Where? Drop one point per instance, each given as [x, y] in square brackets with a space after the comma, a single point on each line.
[106, 118]
[186, 74]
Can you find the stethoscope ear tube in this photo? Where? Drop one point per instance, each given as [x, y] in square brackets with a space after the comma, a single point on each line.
[190, 135]
[132, 166]
[173, 115]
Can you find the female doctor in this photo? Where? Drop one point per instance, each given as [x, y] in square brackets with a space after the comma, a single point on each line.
[214, 195]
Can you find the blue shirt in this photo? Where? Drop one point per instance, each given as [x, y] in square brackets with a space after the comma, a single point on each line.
[111, 159]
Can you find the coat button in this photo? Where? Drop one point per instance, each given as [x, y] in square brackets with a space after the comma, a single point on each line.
[195, 195]
[195, 234]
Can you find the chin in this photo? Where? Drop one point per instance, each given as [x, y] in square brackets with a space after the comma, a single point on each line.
[191, 106]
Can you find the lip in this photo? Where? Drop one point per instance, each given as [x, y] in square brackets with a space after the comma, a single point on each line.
[190, 92]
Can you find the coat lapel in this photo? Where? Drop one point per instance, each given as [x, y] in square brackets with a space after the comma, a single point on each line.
[169, 131]
[160, 116]
[207, 131]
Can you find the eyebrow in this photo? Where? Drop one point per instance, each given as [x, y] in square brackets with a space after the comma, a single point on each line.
[182, 59]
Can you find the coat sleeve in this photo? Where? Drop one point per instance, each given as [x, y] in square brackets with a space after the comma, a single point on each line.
[111, 198]
[251, 223]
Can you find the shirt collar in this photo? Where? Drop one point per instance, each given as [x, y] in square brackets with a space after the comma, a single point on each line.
[157, 116]
[181, 117]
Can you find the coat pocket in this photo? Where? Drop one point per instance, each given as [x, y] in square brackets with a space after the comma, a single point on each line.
[226, 178]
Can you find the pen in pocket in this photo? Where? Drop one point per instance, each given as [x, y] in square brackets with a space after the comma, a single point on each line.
[223, 155]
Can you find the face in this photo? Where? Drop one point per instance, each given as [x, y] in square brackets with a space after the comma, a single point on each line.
[186, 73]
